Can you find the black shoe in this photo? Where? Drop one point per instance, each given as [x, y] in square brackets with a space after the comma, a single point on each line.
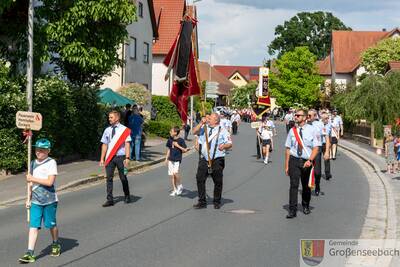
[333, 158]
[317, 190]
[291, 214]
[306, 210]
[199, 206]
[127, 199]
[108, 203]
[217, 206]
[328, 177]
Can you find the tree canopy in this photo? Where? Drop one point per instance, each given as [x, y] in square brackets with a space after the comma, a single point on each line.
[297, 80]
[80, 37]
[376, 59]
[376, 100]
[244, 95]
[306, 29]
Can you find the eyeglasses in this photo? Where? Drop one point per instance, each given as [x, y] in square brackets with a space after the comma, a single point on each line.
[299, 115]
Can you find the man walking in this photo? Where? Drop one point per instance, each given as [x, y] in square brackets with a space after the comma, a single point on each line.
[326, 144]
[302, 146]
[212, 161]
[136, 124]
[115, 154]
[337, 132]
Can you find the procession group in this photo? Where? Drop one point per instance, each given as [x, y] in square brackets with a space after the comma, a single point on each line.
[310, 135]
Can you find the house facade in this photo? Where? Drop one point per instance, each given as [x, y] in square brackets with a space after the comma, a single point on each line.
[137, 51]
[342, 67]
[239, 75]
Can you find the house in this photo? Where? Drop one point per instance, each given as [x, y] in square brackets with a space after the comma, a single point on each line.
[209, 73]
[137, 50]
[169, 14]
[239, 75]
[342, 66]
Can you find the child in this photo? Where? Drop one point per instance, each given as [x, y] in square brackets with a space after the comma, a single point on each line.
[176, 146]
[390, 156]
[266, 134]
[42, 199]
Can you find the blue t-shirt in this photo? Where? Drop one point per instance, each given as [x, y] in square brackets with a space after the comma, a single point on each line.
[175, 154]
[135, 124]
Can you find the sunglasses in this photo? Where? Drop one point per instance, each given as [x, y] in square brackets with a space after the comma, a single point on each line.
[299, 115]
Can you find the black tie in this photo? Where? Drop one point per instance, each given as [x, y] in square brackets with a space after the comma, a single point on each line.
[113, 131]
[209, 134]
[299, 148]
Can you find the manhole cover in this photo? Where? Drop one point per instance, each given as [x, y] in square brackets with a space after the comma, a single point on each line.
[242, 211]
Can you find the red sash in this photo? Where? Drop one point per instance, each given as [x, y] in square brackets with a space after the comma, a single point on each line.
[116, 143]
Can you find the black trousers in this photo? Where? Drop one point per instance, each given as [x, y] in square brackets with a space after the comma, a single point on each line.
[116, 162]
[297, 173]
[234, 127]
[327, 163]
[258, 147]
[317, 168]
[218, 166]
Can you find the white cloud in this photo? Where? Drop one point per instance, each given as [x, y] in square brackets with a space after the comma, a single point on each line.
[242, 29]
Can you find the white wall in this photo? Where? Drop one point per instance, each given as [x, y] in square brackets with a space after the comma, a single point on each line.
[160, 86]
[342, 80]
[135, 69]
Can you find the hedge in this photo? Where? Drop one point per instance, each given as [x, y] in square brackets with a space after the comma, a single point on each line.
[159, 128]
[166, 110]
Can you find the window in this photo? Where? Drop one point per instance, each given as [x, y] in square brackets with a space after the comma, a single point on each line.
[236, 77]
[146, 53]
[140, 9]
[132, 48]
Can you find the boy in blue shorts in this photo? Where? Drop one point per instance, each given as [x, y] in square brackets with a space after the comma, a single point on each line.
[42, 199]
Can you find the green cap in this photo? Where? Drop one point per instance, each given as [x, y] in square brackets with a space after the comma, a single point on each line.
[43, 143]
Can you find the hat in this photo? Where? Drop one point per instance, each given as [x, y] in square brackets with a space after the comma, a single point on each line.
[43, 143]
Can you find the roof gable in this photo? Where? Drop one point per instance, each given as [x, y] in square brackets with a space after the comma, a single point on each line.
[249, 73]
[225, 85]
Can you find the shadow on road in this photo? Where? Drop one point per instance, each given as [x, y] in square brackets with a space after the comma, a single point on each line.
[66, 244]
[299, 207]
[122, 198]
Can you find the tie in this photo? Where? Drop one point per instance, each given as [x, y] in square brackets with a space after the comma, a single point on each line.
[113, 131]
[299, 148]
[209, 134]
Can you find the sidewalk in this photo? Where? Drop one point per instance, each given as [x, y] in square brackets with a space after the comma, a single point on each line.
[370, 154]
[80, 172]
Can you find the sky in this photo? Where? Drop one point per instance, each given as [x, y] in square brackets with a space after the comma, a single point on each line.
[241, 30]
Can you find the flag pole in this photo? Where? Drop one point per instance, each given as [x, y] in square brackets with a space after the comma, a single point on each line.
[202, 95]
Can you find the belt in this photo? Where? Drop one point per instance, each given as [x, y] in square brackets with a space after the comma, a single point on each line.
[298, 159]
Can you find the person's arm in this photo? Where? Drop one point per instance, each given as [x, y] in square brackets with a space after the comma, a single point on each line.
[327, 147]
[28, 195]
[313, 155]
[287, 156]
[103, 154]
[196, 130]
[167, 155]
[47, 182]
[127, 153]
[180, 147]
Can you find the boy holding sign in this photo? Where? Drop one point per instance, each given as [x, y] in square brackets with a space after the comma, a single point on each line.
[42, 200]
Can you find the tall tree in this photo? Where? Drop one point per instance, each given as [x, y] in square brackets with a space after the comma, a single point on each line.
[81, 37]
[297, 80]
[244, 95]
[306, 29]
[376, 59]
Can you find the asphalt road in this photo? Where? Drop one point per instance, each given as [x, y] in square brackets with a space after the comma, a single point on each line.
[159, 230]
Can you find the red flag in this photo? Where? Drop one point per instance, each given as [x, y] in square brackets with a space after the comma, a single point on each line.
[182, 90]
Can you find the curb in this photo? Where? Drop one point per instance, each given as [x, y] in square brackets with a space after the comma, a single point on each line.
[391, 218]
[93, 179]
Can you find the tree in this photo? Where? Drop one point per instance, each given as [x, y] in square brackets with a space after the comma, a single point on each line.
[306, 29]
[242, 96]
[297, 80]
[376, 59]
[81, 37]
[376, 100]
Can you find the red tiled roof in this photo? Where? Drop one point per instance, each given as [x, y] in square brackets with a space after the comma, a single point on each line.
[324, 66]
[250, 73]
[347, 49]
[169, 14]
[225, 85]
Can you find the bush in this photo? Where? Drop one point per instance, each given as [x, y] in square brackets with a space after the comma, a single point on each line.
[13, 154]
[159, 128]
[136, 92]
[166, 110]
